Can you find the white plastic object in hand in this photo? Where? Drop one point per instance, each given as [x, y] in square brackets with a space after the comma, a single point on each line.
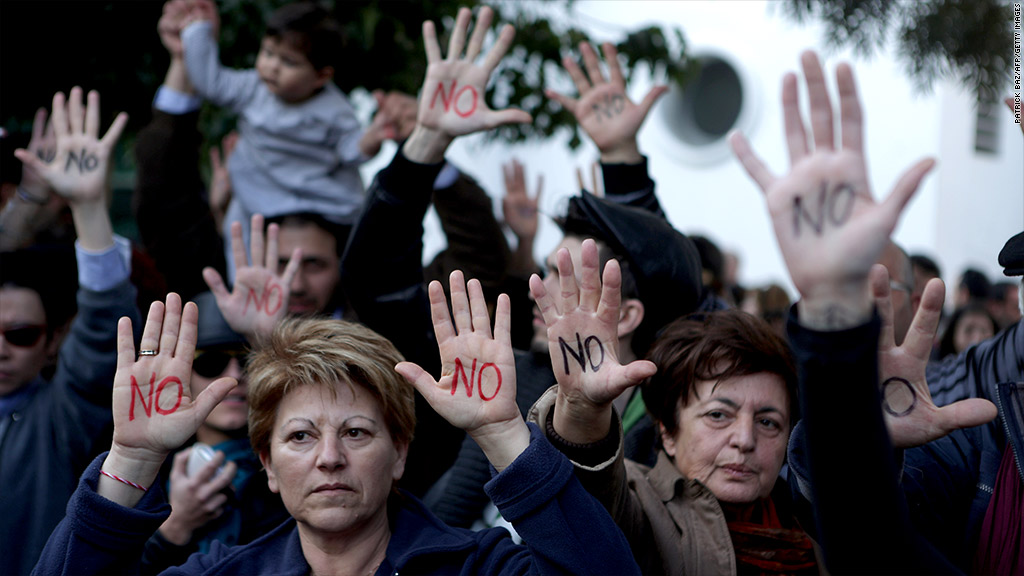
[200, 455]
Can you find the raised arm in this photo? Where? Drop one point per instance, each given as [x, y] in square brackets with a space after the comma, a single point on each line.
[214, 82]
[176, 224]
[831, 230]
[154, 412]
[603, 109]
[382, 268]
[911, 417]
[582, 324]
[259, 298]
[477, 389]
[521, 215]
[33, 206]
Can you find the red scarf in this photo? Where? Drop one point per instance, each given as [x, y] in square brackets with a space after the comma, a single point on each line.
[1001, 541]
[763, 545]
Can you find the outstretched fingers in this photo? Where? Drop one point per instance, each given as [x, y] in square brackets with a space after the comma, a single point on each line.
[114, 132]
[851, 117]
[611, 293]
[904, 190]
[420, 379]
[151, 331]
[257, 245]
[569, 290]
[458, 39]
[439, 315]
[476, 41]
[59, 115]
[270, 260]
[92, 114]
[460, 302]
[497, 118]
[76, 112]
[503, 321]
[238, 246]
[216, 284]
[878, 278]
[213, 395]
[592, 63]
[611, 59]
[188, 335]
[567, 102]
[637, 371]
[478, 308]
[652, 96]
[796, 133]
[921, 335]
[576, 73]
[753, 165]
[821, 106]
[590, 285]
[430, 44]
[171, 324]
[500, 48]
[125, 344]
[292, 268]
[545, 302]
[967, 414]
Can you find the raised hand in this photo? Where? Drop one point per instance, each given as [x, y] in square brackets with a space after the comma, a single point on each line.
[827, 223]
[452, 99]
[910, 415]
[477, 389]
[399, 109]
[78, 170]
[195, 500]
[44, 146]
[172, 21]
[518, 208]
[603, 109]
[153, 406]
[259, 298]
[582, 322]
[202, 11]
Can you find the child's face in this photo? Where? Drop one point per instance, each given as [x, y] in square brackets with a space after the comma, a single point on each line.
[287, 72]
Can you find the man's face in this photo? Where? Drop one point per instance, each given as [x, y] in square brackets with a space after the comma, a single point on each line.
[319, 272]
[22, 353]
[574, 244]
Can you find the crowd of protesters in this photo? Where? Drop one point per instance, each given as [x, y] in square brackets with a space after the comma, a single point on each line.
[271, 381]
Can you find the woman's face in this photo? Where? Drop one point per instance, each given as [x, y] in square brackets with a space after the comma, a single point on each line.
[332, 459]
[971, 329]
[732, 436]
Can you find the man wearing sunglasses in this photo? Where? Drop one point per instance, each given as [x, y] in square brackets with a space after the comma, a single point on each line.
[50, 428]
[227, 498]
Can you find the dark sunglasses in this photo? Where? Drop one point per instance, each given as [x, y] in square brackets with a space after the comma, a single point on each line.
[213, 363]
[23, 336]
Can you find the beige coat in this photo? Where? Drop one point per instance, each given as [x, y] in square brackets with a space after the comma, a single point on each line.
[674, 525]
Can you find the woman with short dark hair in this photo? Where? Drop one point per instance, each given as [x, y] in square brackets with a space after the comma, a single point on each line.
[721, 388]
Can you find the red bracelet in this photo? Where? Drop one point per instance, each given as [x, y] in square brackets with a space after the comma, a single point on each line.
[123, 481]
